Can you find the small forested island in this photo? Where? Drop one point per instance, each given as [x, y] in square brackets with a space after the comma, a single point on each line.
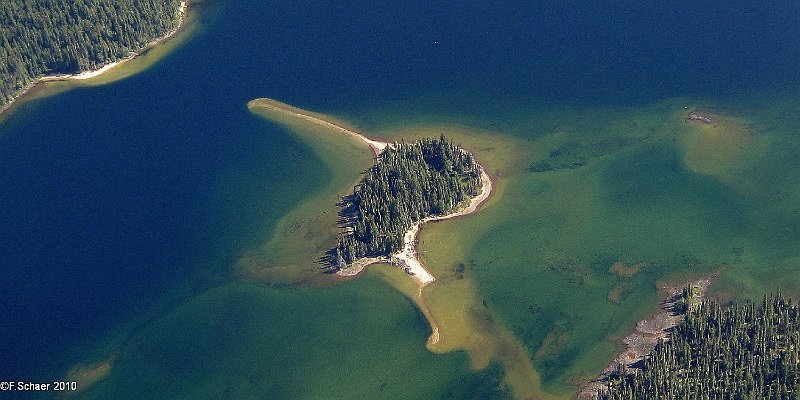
[39, 38]
[409, 182]
[740, 352]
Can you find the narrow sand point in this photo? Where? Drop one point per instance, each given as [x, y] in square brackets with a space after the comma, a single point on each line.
[434, 338]
[86, 375]
[375, 146]
[407, 258]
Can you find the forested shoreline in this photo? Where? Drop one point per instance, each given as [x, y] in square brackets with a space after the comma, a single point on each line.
[410, 181]
[39, 38]
[739, 352]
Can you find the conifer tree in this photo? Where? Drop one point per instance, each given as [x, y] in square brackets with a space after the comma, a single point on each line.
[740, 352]
[40, 38]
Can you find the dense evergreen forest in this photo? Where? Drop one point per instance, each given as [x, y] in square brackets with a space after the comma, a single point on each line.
[741, 352]
[408, 183]
[44, 37]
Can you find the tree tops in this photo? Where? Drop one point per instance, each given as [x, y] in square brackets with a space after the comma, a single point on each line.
[409, 182]
[741, 352]
[44, 37]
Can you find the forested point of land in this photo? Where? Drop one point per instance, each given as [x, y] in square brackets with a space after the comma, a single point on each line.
[410, 181]
[50, 37]
[738, 352]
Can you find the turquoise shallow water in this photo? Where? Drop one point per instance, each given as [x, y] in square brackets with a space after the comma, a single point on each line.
[125, 206]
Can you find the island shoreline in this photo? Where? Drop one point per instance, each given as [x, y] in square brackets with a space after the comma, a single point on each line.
[407, 257]
[84, 75]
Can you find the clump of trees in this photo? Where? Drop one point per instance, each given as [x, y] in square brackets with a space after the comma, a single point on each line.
[739, 352]
[46, 37]
[409, 182]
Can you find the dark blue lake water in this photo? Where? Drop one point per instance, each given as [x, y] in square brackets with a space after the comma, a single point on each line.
[129, 197]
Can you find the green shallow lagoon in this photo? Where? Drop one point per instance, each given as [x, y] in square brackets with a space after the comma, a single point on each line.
[357, 340]
[627, 184]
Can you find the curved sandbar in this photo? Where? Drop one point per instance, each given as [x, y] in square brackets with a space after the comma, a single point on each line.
[407, 257]
[375, 146]
[31, 91]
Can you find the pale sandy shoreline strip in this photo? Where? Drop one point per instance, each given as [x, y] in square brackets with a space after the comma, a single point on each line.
[375, 146]
[407, 257]
[105, 68]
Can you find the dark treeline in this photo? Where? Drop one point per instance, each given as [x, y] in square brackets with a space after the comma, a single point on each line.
[44, 37]
[408, 183]
[741, 352]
